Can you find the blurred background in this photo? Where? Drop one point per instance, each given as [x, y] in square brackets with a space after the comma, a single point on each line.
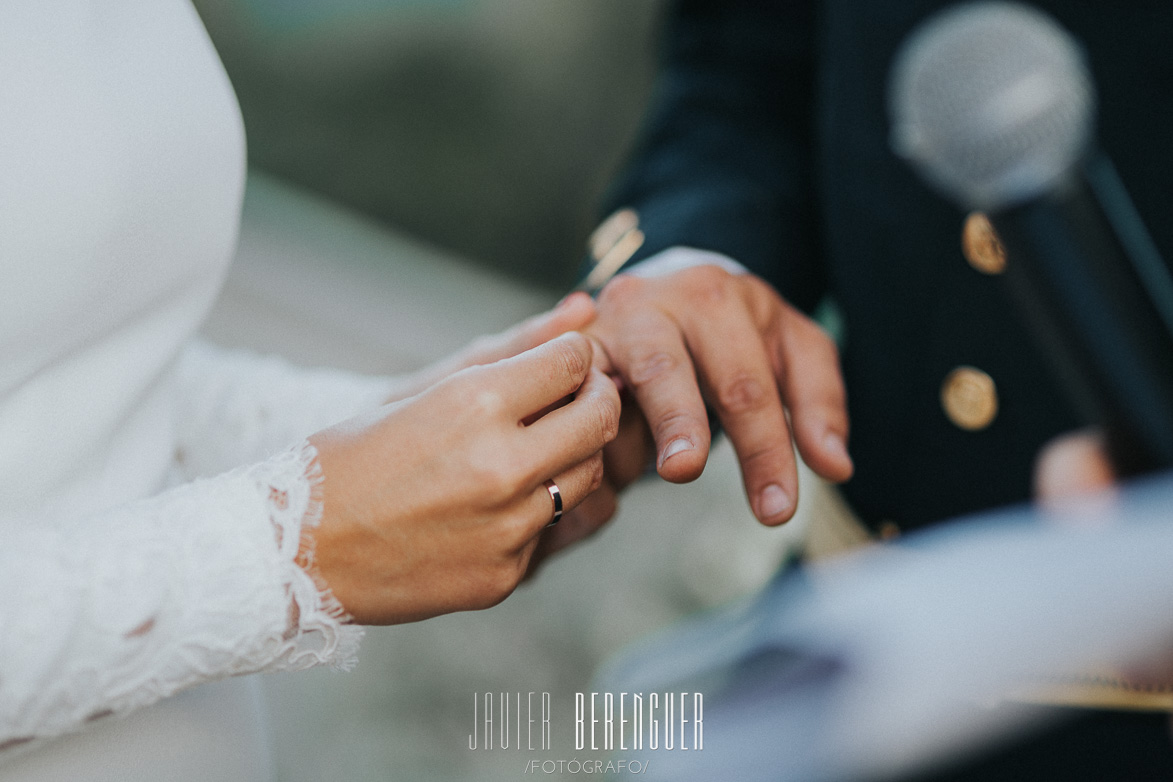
[423, 171]
[489, 127]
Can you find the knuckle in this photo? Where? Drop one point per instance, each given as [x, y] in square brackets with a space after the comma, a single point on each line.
[497, 582]
[514, 532]
[471, 392]
[497, 484]
[572, 358]
[621, 291]
[596, 474]
[766, 458]
[515, 570]
[707, 283]
[672, 423]
[650, 364]
[766, 308]
[607, 417]
[488, 403]
[741, 394]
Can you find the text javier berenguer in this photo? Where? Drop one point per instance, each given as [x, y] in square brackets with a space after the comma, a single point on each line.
[602, 721]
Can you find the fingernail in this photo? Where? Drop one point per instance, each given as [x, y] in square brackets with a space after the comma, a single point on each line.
[773, 501]
[676, 446]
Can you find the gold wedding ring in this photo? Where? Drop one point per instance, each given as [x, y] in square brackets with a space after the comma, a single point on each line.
[556, 496]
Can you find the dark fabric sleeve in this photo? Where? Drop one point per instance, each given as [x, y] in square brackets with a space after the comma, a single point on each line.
[725, 160]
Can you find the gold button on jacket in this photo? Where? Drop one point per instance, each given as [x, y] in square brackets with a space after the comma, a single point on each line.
[969, 398]
[981, 246]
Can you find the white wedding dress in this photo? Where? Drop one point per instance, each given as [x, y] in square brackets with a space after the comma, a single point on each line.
[125, 580]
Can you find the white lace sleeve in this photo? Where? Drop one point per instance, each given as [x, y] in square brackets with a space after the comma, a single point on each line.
[237, 407]
[113, 612]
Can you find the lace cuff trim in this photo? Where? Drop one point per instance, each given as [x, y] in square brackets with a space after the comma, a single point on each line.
[210, 579]
[318, 631]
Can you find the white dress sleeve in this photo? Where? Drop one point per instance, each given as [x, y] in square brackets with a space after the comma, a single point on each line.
[235, 407]
[123, 158]
[207, 580]
[111, 613]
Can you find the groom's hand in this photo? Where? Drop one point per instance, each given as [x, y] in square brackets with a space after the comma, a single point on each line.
[705, 335]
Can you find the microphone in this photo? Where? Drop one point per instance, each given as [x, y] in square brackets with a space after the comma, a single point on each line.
[993, 106]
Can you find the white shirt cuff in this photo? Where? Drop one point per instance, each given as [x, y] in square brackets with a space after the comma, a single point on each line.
[676, 259]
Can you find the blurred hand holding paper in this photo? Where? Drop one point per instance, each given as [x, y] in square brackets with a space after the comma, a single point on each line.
[888, 659]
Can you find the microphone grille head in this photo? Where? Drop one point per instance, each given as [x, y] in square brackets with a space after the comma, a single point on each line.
[992, 103]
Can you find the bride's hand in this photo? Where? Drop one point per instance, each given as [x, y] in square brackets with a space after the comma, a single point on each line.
[436, 503]
[573, 313]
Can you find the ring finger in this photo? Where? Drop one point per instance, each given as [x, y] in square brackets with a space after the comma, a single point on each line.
[571, 486]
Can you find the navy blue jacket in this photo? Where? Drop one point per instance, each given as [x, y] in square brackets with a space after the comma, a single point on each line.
[768, 142]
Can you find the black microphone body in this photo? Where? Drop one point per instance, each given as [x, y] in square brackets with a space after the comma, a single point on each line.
[993, 105]
[1098, 298]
